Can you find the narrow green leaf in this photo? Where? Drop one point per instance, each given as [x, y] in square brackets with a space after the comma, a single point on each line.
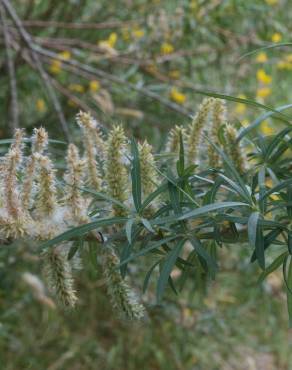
[236, 187]
[174, 198]
[147, 225]
[198, 212]
[232, 171]
[162, 188]
[283, 117]
[102, 196]
[272, 267]
[290, 242]
[150, 248]
[129, 225]
[148, 275]
[262, 189]
[73, 250]
[202, 252]
[288, 282]
[181, 162]
[277, 188]
[255, 237]
[83, 229]
[166, 269]
[268, 240]
[289, 200]
[27, 140]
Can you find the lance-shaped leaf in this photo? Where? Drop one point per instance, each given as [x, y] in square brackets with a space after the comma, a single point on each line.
[256, 239]
[136, 176]
[166, 269]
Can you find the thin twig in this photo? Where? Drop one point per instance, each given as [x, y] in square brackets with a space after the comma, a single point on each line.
[83, 106]
[115, 79]
[45, 77]
[11, 72]
[79, 26]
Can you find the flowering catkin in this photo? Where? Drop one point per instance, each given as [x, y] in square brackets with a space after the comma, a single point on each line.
[91, 139]
[39, 143]
[10, 185]
[12, 163]
[234, 149]
[46, 202]
[74, 180]
[122, 297]
[58, 274]
[219, 118]
[195, 129]
[12, 220]
[147, 167]
[115, 168]
[173, 142]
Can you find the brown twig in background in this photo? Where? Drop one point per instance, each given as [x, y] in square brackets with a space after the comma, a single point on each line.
[115, 79]
[79, 26]
[79, 103]
[14, 108]
[44, 75]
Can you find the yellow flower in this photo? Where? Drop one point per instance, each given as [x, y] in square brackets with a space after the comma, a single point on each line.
[264, 92]
[138, 33]
[177, 96]
[175, 74]
[245, 122]
[240, 108]
[94, 85]
[166, 48]
[66, 55]
[263, 77]
[272, 2]
[55, 66]
[41, 105]
[76, 88]
[266, 128]
[276, 37]
[110, 42]
[261, 58]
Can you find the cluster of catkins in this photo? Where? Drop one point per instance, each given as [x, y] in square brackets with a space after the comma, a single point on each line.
[33, 207]
[208, 121]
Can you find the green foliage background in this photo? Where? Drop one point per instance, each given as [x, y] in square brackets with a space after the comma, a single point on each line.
[232, 324]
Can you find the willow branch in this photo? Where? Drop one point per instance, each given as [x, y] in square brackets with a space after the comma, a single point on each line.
[44, 75]
[11, 72]
[115, 79]
[78, 26]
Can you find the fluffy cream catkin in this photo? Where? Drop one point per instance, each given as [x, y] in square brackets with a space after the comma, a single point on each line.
[173, 142]
[58, 274]
[195, 130]
[234, 149]
[219, 119]
[46, 198]
[90, 135]
[147, 166]
[74, 182]
[116, 172]
[39, 143]
[122, 297]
